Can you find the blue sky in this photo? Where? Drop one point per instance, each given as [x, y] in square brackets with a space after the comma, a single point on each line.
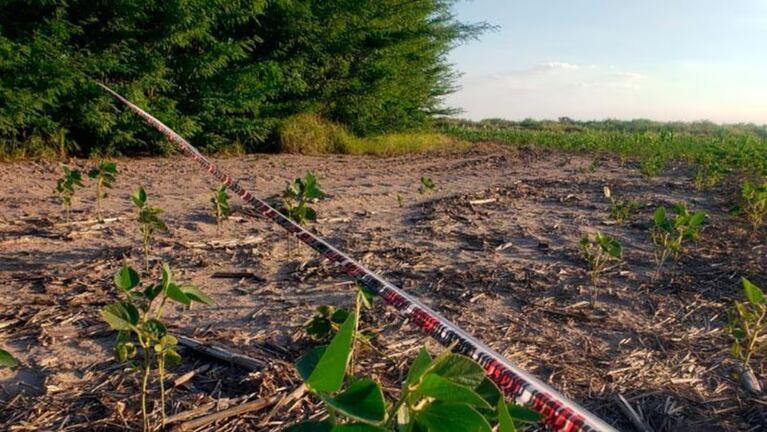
[594, 59]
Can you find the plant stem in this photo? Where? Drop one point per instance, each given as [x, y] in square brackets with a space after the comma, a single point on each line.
[145, 231]
[161, 372]
[753, 338]
[144, 384]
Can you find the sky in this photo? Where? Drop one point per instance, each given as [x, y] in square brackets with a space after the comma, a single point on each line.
[593, 59]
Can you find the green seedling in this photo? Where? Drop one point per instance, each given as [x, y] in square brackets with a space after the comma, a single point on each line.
[104, 173]
[448, 392]
[148, 219]
[137, 320]
[753, 204]
[598, 251]
[652, 166]
[427, 186]
[709, 172]
[400, 200]
[620, 210]
[669, 235]
[220, 201]
[296, 198]
[325, 322]
[746, 325]
[7, 360]
[65, 187]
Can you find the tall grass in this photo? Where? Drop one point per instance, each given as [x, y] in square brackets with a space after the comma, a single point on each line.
[310, 134]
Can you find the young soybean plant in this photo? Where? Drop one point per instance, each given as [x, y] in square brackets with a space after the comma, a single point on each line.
[104, 173]
[598, 251]
[220, 201]
[427, 185]
[746, 324]
[7, 360]
[446, 393]
[65, 187]
[148, 219]
[754, 204]
[296, 198]
[669, 235]
[620, 210]
[137, 319]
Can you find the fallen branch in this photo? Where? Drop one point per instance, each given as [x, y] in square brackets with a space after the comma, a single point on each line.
[296, 394]
[220, 353]
[255, 405]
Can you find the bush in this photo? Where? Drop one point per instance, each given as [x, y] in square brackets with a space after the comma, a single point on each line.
[311, 134]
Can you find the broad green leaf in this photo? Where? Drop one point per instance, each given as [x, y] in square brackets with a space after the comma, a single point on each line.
[172, 356]
[331, 369]
[126, 279]
[444, 390]
[309, 214]
[419, 366]
[7, 360]
[489, 392]
[306, 364]
[357, 427]
[174, 293]
[318, 327]
[505, 422]
[194, 294]
[155, 328]
[120, 316]
[524, 414]
[139, 197]
[363, 400]
[451, 417]
[697, 218]
[311, 426]
[339, 316]
[109, 167]
[151, 292]
[659, 217]
[753, 293]
[460, 370]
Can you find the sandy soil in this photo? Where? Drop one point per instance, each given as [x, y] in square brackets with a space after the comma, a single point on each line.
[508, 270]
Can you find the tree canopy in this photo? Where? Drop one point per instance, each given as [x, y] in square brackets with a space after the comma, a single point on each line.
[219, 72]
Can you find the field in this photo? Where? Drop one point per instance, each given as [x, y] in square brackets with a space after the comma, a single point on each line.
[495, 248]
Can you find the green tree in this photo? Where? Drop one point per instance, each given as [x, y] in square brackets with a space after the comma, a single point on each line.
[220, 73]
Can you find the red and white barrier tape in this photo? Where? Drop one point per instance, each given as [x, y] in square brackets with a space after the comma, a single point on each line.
[559, 413]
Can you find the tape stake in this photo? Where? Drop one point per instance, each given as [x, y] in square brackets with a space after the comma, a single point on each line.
[559, 413]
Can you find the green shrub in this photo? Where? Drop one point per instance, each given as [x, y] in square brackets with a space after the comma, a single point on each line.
[311, 134]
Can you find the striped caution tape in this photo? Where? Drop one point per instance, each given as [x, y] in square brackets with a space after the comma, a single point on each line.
[559, 413]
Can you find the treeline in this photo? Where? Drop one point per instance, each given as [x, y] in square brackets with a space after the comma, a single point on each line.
[222, 73]
[565, 124]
